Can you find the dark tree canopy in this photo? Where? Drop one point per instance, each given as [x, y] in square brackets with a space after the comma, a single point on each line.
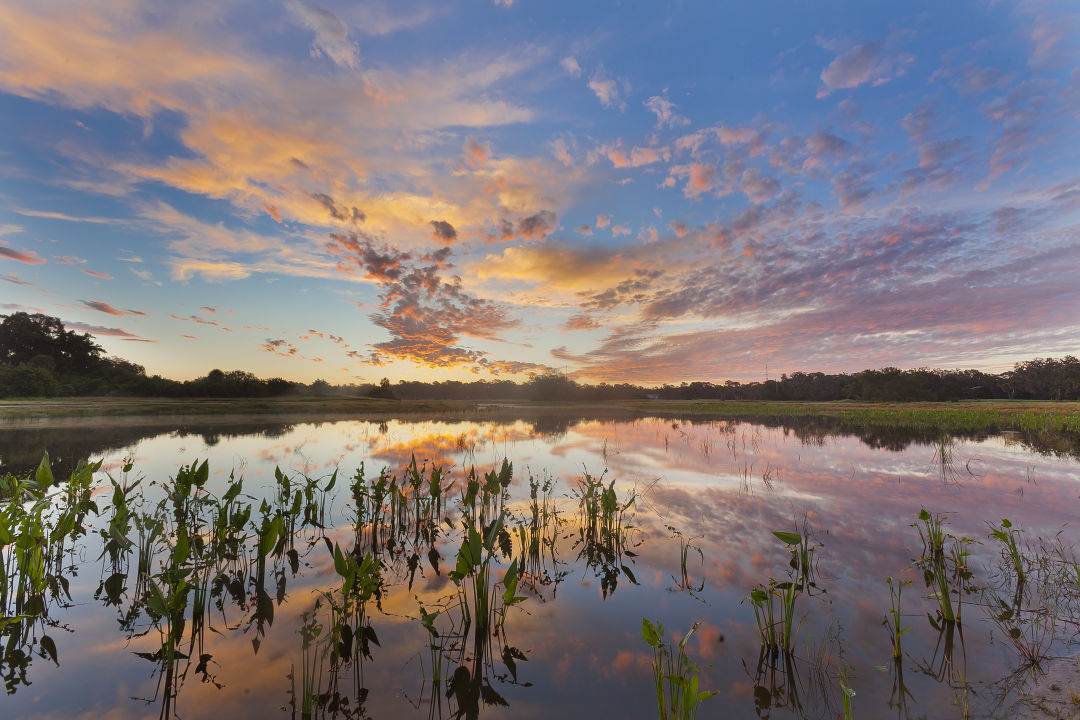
[26, 338]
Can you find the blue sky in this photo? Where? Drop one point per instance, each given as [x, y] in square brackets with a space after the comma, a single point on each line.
[640, 192]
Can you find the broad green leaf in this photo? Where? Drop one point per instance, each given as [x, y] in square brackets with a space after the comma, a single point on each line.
[788, 538]
[650, 633]
[44, 476]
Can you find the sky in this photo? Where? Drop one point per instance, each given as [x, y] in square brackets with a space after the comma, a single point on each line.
[624, 192]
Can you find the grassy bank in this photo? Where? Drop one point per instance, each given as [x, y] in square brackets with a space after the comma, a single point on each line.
[1037, 416]
[114, 406]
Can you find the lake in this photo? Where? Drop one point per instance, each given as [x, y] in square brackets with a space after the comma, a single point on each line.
[606, 522]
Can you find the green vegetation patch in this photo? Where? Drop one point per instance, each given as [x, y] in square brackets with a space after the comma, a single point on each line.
[950, 417]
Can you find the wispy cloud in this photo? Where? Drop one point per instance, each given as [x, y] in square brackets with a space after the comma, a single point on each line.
[25, 256]
[331, 33]
[109, 309]
[860, 65]
[106, 332]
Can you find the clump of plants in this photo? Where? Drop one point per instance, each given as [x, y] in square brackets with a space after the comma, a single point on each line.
[675, 676]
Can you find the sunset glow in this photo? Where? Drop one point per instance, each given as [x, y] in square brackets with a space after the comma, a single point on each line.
[643, 193]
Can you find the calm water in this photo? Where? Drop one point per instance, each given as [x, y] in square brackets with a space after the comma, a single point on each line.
[715, 490]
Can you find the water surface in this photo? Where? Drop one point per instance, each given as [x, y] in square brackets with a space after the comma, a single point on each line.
[709, 491]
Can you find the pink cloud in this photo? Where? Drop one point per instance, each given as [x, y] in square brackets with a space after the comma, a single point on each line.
[860, 65]
[30, 257]
[476, 154]
[109, 309]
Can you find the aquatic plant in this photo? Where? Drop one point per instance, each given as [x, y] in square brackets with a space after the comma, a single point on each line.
[603, 530]
[892, 617]
[675, 677]
[846, 693]
[774, 602]
[945, 569]
[1007, 535]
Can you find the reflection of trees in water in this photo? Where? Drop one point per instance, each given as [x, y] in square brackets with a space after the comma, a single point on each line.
[21, 448]
[814, 430]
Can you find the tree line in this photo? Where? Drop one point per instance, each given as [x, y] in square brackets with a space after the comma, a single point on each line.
[39, 357]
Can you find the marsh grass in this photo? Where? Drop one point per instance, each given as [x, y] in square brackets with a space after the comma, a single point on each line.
[950, 417]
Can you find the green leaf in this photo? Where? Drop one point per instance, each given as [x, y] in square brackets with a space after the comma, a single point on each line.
[341, 565]
[202, 474]
[510, 581]
[650, 633]
[183, 547]
[788, 538]
[156, 600]
[44, 476]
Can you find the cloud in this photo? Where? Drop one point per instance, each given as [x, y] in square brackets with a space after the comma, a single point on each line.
[758, 188]
[860, 65]
[105, 331]
[570, 65]
[444, 231]
[538, 226]
[14, 279]
[331, 33]
[107, 308]
[426, 314]
[352, 215]
[476, 154]
[665, 112]
[29, 257]
[581, 322]
[700, 177]
[280, 347]
[611, 91]
[63, 216]
[95, 273]
[270, 137]
[970, 79]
